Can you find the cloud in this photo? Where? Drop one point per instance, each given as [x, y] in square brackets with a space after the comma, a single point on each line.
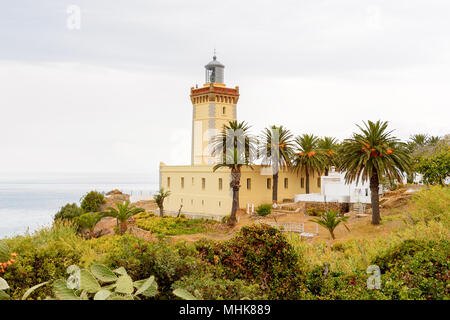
[114, 95]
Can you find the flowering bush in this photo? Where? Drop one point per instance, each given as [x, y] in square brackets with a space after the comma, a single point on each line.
[38, 261]
[258, 254]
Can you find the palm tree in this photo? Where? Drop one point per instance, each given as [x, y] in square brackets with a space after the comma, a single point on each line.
[122, 214]
[434, 140]
[276, 150]
[330, 220]
[419, 139]
[159, 199]
[328, 146]
[308, 156]
[235, 147]
[374, 154]
[88, 221]
[417, 142]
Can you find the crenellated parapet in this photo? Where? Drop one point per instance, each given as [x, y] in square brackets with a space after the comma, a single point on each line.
[214, 93]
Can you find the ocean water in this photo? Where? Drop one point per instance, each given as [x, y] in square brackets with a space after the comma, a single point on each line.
[28, 204]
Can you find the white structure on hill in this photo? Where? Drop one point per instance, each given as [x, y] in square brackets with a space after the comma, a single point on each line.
[334, 189]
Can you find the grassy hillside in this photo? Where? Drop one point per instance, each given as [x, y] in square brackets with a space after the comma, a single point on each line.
[411, 248]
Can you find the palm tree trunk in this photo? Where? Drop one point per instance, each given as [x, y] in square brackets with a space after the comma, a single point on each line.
[374, 197]
[161, 211]
[307, 178]
[123, 227]
[275, 188]
[235, 185]
[332, 234]
[326, 171]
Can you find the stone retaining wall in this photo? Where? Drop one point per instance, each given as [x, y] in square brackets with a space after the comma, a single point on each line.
[325, 206]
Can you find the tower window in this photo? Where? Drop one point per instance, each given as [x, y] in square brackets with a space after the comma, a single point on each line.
[269, 183]
[168, 182]
[182, 182]
[302, 182]
[285, 183]
[192, 181]
[249, 183]
[203, 183]
[220, 183]
[224, 110]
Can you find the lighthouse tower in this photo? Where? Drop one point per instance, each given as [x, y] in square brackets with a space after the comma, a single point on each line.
[213, 105]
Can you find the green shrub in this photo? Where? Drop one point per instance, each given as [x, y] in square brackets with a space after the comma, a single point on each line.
[92, 201]
[340, 286]
[170, 226]
[68, 212]
[435, 168]
[264, 209]
[338, 246]
[257, 254]
[416, 270]
[431, 204]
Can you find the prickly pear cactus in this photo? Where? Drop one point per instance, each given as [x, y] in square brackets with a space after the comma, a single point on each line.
[184, 294]
[103, 273]
[5, 253]
[101, 283]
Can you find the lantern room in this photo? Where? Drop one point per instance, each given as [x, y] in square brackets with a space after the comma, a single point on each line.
[214, 72]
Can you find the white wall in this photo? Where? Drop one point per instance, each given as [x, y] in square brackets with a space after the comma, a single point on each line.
[334, 189]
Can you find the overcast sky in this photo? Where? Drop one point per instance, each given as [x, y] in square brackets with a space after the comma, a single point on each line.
[113, 95]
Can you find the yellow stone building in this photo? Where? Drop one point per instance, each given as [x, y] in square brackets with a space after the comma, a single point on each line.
[196, 188]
